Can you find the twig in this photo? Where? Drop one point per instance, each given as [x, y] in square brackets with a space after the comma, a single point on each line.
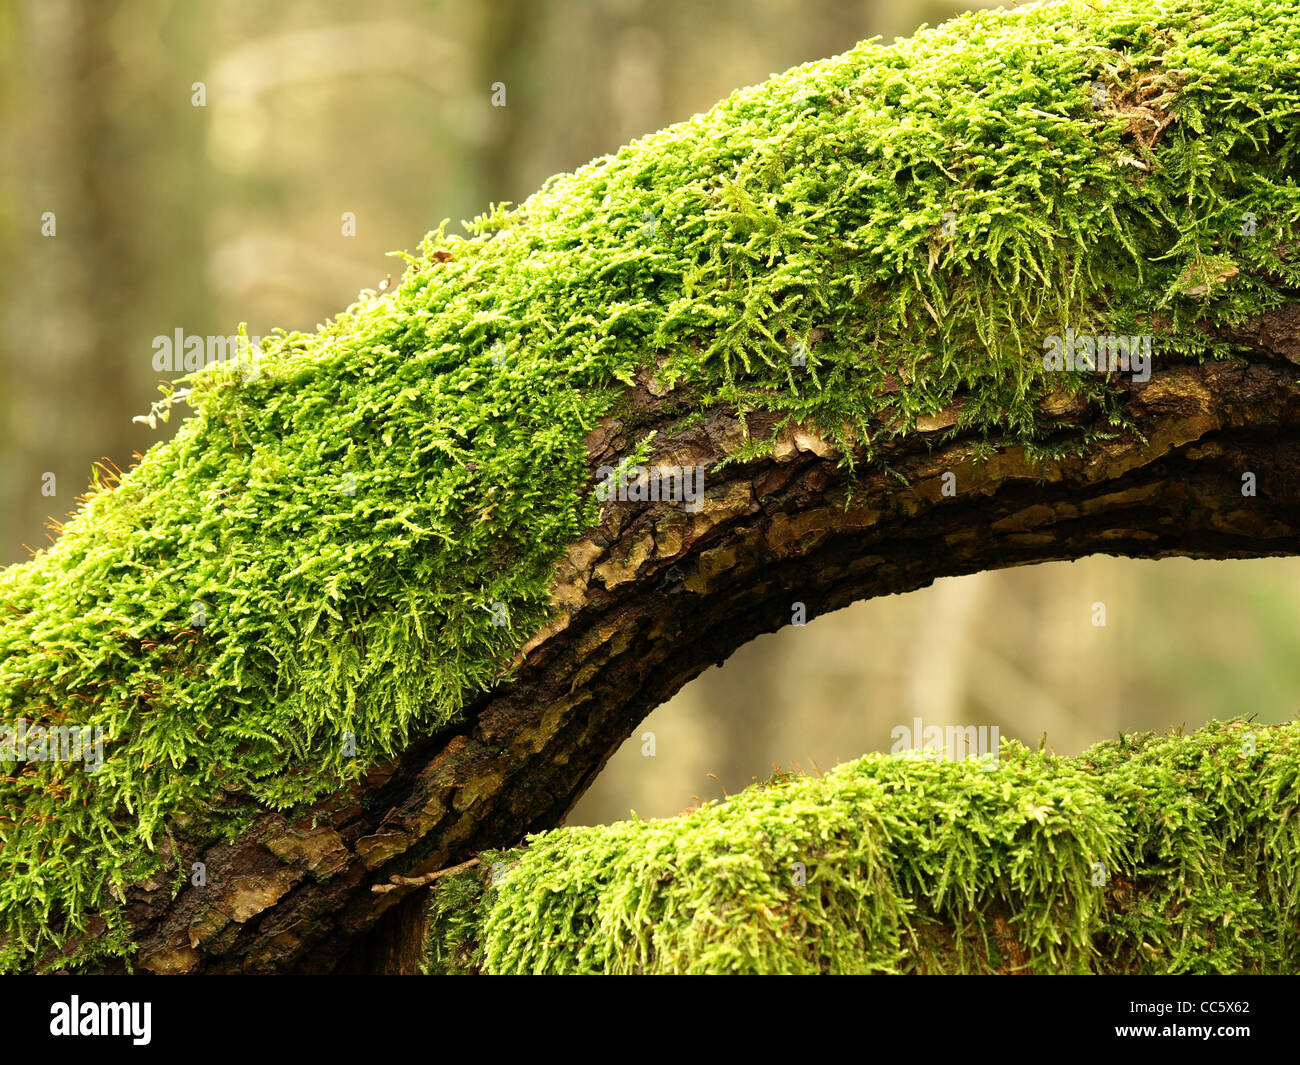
[419, 881]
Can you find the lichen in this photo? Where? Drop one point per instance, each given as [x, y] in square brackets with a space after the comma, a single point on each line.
[1144, 855]
[918, 216]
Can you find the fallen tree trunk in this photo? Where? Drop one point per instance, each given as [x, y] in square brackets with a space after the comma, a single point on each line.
[422, 632]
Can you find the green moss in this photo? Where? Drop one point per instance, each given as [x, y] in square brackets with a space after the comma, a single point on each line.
[813, 208]
[1157, 855]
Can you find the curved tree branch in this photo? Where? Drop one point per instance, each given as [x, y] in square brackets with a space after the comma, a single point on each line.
[653, 596]
[775, 238]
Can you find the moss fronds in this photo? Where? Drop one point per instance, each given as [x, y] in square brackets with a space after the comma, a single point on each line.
[1154, 855]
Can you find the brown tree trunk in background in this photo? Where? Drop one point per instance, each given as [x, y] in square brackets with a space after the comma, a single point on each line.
[121, 169]
[654, 595]
[68, 377]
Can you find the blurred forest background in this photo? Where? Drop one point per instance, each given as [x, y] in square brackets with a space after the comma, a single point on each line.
[174, 216]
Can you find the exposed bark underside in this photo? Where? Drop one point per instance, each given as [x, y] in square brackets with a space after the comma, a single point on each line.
[655, 595]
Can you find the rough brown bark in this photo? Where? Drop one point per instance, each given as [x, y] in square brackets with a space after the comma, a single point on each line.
[654, 595]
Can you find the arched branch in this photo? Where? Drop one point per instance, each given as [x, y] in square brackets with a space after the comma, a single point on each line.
[923, 215]
[655, 595]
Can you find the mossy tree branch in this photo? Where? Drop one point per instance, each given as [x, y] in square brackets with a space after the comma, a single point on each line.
[831, 294]
[654, 596]
[1143, 855]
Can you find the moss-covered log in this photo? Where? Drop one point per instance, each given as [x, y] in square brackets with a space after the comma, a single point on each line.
[1144, 855]
[368, 613]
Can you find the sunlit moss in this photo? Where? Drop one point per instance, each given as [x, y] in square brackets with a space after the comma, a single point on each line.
[917, 216]
[1146, 855]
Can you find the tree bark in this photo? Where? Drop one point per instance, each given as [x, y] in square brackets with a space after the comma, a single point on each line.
[654, 595]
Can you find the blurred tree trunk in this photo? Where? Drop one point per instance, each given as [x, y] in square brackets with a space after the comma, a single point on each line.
[72, 232]
[125, 261]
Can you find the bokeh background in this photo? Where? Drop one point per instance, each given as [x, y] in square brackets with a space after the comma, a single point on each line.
[174, 216]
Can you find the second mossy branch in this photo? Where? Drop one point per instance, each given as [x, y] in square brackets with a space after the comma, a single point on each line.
[1145, 855]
